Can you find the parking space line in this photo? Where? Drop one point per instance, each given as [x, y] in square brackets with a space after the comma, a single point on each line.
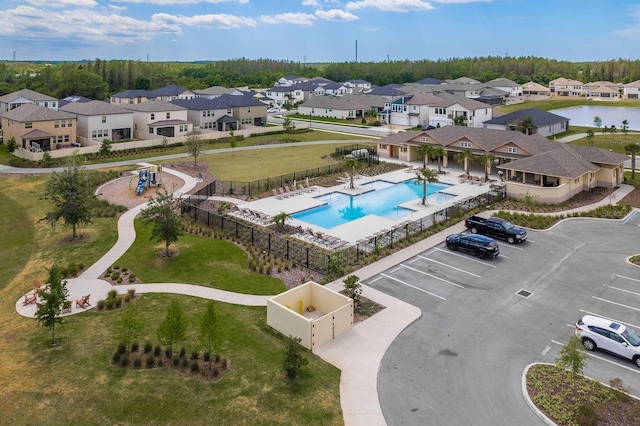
[637, 327]
[464, 257]
[627, 278]
[375, 279]
[591, 354]
[449, 266]
[432, 276]
[396, 269]
[623, 290]
[513, 246]
[413, 286]
[615, 303]
[414, 260]
[502, 255]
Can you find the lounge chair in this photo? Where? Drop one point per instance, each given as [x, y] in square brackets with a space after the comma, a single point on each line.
[30, 297]
[282, 193]
[83, 302]
[274, 192]
[38, 287]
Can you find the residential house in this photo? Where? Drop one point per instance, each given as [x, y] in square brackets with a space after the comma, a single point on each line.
[214, 92]
[152, 119]
[533, 90]
[357, 85]
[565, 87]
[38, 128]
[601, 90]
[343, 107]
[64, 101]
[98, 120]
[131, 97]
[543, 122]
[632, 90]
[226, 112]
[534, 166]
[292, 94]
[331, 89]
[26, 96]
[171, 93]
[289, 80]
[430, 80]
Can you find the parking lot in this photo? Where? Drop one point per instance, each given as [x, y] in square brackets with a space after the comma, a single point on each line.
[484, 321]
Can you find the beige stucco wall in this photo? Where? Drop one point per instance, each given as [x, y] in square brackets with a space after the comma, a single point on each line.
[16, 129]
[285, 313]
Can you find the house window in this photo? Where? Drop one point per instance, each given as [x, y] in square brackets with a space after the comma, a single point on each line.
[204, 113]
[383, 146]
[59, 139]
[151, 130]
[229, 111]
[63, 123]
[28, 125]
[56, 124]
[153, 116]
[425, 139]
[69, 123]
[104, 118]
[66, 138]
[465, 144]
[512, 150]
[168, 115]
[130, 100]
[94, 134]
[404, 148]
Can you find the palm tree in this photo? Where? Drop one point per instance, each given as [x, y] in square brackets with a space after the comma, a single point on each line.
[613, 129]
[625, 127]
[425, 176]
[352, 165]
[632, 149]
[465, 157]
[424, 151]
[460, 120]
[280, 219]
[487, 161]
[438, 151]
[526, 125]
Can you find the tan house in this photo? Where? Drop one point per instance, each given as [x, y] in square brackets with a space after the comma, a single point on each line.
[534, 166]
[632, 90]
[37, 128]
[152, 119]
[602, 90]
[565, 87]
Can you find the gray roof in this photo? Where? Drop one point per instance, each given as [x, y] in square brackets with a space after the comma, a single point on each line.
[430, 80]
[539, 117]
[171, 90]
[214, 90]
[94, 108]
[221, 102]
[134, 94]
[36, 134]
[335, 102]
[69, 99]
[33, 112]
[27, 94]
[153, 106]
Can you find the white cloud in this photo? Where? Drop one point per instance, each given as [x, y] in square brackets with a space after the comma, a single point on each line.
[221, 20]
[80, 25]
[64, 3]
[335, 15]
[289, 18]
[313, 3]
[390, 5]
[179, 2]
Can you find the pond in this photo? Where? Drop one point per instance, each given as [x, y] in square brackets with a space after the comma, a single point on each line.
[583, 115]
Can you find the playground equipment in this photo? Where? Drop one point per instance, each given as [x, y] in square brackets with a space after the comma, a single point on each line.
[148, 176]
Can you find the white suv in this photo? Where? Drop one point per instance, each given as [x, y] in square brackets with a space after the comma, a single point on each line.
[600, 333]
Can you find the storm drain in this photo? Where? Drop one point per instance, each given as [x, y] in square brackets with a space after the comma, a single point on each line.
[524, 293]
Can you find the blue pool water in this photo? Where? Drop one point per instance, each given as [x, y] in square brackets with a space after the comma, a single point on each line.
[383, 201]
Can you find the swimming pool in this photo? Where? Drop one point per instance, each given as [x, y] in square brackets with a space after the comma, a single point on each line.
[382, 201]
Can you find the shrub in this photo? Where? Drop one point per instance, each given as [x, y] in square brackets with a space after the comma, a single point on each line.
[214, 371]
[116, 357]
[119, 281]
[117, 302]
[132, 279]
[150, 362]
[135, 346]
[194, 366]
[131, 292]
[167, 352]
[195, 355]
[124, 361]
[176, 360]
[160, 362]
[206, 356]
[147, 347]
[108, 303]
[122, 348]
[115, 276]
[185, 362]
[217, 357]
[137, 362]
[73, 269]
[81, 266]
[100, 304]
[157, 350]
[112, 294]
[124, 269]
[183, 352]
[223, 363]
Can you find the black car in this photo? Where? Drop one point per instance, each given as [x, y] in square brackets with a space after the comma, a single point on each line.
[479, 245]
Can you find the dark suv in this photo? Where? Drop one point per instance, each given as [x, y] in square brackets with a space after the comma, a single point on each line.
[479, 245]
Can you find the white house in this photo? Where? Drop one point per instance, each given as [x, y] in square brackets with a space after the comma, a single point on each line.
[98, 120]
[565, 87]
[152, 119]
[26, 96]
[632, 90]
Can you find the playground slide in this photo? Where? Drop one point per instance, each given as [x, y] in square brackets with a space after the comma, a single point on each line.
[142, 182]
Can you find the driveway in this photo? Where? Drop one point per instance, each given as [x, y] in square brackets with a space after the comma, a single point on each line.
[462, 361]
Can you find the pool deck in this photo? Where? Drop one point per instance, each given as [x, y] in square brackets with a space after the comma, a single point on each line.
[364, 227]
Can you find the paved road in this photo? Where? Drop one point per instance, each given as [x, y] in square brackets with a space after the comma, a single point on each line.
[462, 361]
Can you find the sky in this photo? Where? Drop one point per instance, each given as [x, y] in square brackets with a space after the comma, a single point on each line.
[309, 31]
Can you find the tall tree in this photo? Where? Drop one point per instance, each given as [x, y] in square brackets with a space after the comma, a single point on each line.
[632, 149]
[194, 145]
[424, 151]
[162, 213]
[174, 327]
[72, 196]
[208, 328]
[425, 176]
[465, 157]
[53, 296]
[439, 152]
[487, 160]
[352, 165]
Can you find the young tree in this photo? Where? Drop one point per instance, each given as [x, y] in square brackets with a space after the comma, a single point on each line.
[162, 212]
[105, 147]
[129, 327]
[208, 328]
[352, 165]
[293, 360]
[233, 142]
[590, 136]
[632, 149]
[353, 288]
[194, 145]
[625, 127]
[613, 130]
[12, 145]
[604, 130]
[425, 176]
[289, 128]
[572, 357]
[597, 121]
[52, 296]
[72, 196]
[174, 327]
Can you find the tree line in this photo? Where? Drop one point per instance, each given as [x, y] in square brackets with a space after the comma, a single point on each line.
[98, 79]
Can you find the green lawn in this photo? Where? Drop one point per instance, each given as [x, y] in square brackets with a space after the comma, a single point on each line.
[606, 142]
[75, 382]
